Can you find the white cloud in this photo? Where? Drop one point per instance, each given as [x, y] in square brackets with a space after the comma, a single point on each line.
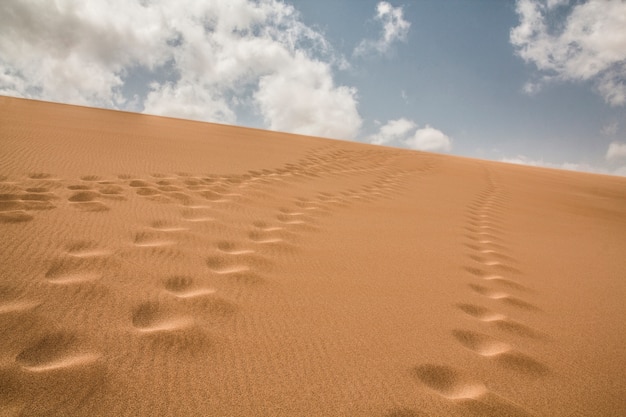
[220, 56]
[398, 133]
[555, 3]
[609, 129]
[301, 98]
[392, 130]
[569, 166]
[430, 139]
[590, 45]
[394, 28]
[404, 96]
[616, 150]
[621, 171]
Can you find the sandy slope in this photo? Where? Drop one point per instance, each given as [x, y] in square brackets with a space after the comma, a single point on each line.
[153, 266]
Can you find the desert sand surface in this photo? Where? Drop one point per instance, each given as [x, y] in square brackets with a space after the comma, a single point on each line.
[154, 266]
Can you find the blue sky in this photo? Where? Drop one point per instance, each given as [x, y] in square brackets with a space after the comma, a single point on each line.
[539, 82]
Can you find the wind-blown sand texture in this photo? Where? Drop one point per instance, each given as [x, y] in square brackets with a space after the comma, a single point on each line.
[154, 266]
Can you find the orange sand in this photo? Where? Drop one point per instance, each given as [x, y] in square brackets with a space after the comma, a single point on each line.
[153, 266]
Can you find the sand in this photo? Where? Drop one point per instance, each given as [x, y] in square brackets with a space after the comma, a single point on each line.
[155, 266]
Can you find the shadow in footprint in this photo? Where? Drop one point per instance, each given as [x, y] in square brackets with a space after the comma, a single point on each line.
[448, 382]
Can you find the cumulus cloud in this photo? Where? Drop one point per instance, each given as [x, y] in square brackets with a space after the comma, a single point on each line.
[616, 151]
[392, 130]
[430, 139]
[589, 45]
[394, 28]
[398, 132]
[200, 60]
[302, 98]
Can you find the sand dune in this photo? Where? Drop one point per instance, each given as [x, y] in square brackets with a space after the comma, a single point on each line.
[154, 266]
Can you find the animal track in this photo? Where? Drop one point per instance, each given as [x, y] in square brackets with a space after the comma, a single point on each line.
[448, 382]
[480, 343]
[496, 279]
[503, 296]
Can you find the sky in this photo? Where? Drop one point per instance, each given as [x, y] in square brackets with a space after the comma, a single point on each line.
[536, 82]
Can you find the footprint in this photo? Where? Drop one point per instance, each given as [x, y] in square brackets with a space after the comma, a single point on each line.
[83, 196]
[112, 191]
[17, 306]
[265, 227]
[85, 201]
[54, 351]
[488, 292]
[502, 296]
[15, 216]
[165, 226]
[182, 198]
[67, 271]
[138, 184]
[500, 321]
[12, 301]
[289, 219]
[448, 382]
[24, 202]
[39, 197]
[39, 176]
[86, 249]
[497, 279]
[222, 265]
[475, 271]
[233, 248]
[152, 317]
[502, 267]
[182, 286]
[91, 206]
[80, 187]
[481, 313]
[496, 254]
[213, 196]
[147, 191]
[480, 343]
[198, 214]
